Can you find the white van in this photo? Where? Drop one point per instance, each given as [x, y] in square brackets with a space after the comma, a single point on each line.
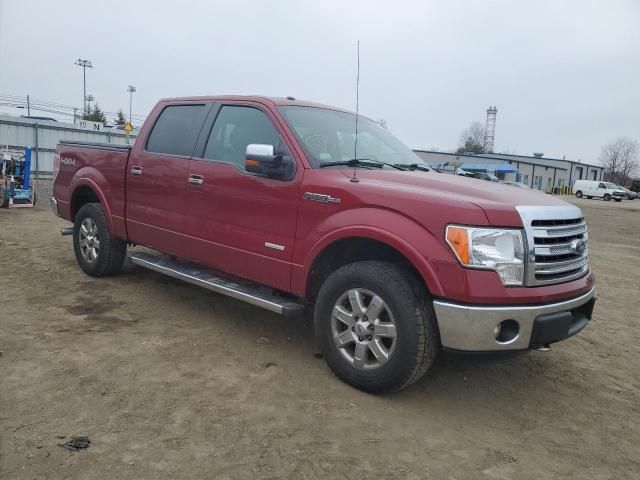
[594, 188]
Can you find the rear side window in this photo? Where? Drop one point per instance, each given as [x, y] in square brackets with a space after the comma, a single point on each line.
[176, 130]
[235, 128]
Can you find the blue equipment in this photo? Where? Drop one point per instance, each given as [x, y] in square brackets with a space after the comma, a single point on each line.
[16, 186]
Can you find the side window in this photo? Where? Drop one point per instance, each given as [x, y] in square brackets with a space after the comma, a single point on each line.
[234, 129]
[602, 185]
[176, 130]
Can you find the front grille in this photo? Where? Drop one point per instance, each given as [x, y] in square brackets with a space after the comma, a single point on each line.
[557, 244]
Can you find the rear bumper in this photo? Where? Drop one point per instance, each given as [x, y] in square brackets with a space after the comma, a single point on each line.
[54, 206]
[473, 328]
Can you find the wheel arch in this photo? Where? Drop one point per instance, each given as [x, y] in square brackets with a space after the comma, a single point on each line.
[87, 191]
[366, 243]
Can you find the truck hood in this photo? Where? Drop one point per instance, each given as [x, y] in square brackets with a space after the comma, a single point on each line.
[498, 201]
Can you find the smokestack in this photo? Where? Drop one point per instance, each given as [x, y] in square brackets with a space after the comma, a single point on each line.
[490, 128]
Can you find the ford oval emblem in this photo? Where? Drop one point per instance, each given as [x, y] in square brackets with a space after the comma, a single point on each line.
[578, 246]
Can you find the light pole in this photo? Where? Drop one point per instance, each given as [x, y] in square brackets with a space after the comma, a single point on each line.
[84, 63]
[130, 89]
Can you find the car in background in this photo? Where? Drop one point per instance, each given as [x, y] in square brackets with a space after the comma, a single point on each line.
[464, 173]
[594, 188]
[486, 176]
[635, 186]
[630, 194]
[517, 185]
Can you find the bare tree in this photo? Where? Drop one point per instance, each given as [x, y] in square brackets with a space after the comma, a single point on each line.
[619, 157]
[472, 139]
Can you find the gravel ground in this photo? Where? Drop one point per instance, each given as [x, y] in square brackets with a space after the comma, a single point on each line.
[171, 381]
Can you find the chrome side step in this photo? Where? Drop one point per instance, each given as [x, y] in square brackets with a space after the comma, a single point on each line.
[246, 291]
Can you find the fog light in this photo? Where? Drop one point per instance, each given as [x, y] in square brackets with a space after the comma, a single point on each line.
[506, 331]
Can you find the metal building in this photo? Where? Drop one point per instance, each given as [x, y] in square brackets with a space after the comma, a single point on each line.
[17, 133]
[536, 171]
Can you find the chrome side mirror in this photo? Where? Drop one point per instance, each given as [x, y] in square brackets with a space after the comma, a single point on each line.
[262, 160]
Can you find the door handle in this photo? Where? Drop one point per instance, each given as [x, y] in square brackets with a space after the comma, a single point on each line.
[195, 179]
[136, 170]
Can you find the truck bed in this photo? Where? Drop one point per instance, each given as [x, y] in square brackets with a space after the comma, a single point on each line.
[100, 167]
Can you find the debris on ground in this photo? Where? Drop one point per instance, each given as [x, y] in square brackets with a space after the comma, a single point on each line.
[76, 443]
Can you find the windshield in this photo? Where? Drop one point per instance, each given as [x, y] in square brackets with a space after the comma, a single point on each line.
[329, 136]
[611, 185]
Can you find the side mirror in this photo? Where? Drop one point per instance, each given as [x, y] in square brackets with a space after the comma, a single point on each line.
[262, 160]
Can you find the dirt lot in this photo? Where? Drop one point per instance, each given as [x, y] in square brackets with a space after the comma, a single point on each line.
[171, 381]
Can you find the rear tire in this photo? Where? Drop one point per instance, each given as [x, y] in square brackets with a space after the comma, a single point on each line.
[388, 351]
[579, 194]
[98, 253]
[606, 197]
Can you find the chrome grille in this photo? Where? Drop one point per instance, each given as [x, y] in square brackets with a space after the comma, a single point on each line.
[557, 244]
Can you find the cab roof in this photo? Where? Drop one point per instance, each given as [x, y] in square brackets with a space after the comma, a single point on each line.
[274, 101]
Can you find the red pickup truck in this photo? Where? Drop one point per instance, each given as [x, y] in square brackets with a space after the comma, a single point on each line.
[287, 204]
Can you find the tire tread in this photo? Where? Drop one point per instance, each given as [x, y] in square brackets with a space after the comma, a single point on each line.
[115, 249]
[413, 293]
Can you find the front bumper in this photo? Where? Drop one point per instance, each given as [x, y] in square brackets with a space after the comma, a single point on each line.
[54, 206]
[474, 328]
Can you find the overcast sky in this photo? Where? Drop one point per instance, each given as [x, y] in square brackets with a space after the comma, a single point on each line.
[565, 75]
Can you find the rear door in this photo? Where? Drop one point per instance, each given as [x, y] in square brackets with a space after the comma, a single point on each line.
[157, 176]
[239, 222]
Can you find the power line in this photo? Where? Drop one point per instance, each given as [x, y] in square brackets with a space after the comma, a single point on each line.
[52, 107]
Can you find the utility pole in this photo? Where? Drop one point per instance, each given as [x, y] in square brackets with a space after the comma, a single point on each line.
[84, 63]
[28, 107]
[131, 89]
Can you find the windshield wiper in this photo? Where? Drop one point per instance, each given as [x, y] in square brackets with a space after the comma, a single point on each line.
[360, 162]
[412, 167]
[354, 162]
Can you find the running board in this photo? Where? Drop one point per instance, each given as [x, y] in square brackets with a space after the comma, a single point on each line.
[246, 291]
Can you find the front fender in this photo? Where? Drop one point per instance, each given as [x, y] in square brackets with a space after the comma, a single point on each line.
[403, 234]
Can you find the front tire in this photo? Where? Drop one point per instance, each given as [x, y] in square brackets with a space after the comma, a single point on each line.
[607, 197]
[376, 327]
[98, 253]
[579, 194]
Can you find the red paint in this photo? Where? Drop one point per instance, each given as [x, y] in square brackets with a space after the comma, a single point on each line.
[225, 222]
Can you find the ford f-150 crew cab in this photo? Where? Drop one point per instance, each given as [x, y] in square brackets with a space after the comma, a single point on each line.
[281, 203]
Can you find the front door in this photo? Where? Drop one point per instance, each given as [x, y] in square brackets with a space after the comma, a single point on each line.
[238, 222]
[157, 178]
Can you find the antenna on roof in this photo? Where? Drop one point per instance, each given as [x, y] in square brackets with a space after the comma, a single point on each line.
[355, 179]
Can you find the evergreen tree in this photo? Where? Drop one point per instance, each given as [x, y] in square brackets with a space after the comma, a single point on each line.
[96, 115]
[120, 118]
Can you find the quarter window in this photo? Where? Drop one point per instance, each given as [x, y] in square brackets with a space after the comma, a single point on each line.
[176, 130]
[234, 129]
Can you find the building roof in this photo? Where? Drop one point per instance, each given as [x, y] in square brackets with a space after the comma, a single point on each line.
[496, 167]
[506, 156]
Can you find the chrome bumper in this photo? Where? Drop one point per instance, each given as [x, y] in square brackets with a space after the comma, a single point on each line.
[54, 206]
[473, 328]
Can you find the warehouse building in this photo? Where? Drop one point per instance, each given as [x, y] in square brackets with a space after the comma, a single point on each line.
[42, 136]
[536, 171]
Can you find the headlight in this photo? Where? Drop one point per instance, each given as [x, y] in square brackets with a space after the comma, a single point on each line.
[489, 248]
